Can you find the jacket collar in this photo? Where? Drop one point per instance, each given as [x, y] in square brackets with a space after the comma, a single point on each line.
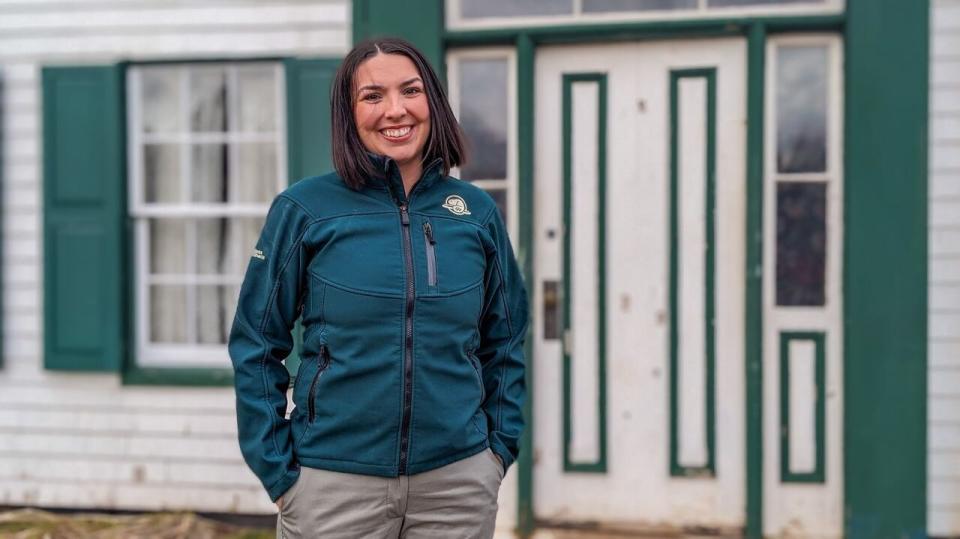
[388, 175]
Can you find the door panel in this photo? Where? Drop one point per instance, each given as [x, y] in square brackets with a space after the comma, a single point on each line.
[640, 232]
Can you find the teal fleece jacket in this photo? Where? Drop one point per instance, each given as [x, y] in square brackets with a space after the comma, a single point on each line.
[414, 315]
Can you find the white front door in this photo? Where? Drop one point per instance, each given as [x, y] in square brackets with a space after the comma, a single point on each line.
[639, 286]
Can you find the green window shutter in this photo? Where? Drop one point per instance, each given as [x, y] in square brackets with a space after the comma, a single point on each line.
[308, 135]
[308, 116]
[83, 218]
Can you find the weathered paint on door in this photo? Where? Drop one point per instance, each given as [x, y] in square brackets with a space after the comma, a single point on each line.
[639, 292]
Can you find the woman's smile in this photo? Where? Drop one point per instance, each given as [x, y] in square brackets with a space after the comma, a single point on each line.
[397, 134]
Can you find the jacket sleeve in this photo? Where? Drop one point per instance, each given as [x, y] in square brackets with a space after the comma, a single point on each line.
[503, 328]
[260, 339]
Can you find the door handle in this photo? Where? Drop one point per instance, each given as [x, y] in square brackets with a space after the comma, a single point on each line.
[551, 310]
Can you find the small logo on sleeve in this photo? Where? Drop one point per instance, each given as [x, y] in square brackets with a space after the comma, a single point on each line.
[456, 205]
[257, 253]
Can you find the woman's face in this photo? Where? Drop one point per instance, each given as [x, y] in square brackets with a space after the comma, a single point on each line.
[391, 110]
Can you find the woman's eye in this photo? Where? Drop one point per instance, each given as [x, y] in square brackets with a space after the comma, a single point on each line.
[412, 91]
[371, 97]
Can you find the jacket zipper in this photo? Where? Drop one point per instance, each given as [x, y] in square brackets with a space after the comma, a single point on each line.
[475, 363]
[324, 362]
[408, 343]
[430, 242]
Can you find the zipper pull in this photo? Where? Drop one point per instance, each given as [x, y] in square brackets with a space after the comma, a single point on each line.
[404, 216]
[324, 357]
[428, 230]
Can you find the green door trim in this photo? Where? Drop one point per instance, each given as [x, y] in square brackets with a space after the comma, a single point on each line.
[753, 325]
[526, 62]
[709, 75]
[885, 260]
[644, 30]
[568, 80]
[818, 474]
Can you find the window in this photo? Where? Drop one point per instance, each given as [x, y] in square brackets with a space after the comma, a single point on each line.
[513, 8]
[803, 166]
[482, 94]
[206, 157]
[496, 13]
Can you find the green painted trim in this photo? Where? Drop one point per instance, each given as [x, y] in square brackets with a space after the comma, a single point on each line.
[307, 82]
[753, 307]
[419, 21]
[886, 83]
[600, 465]
[526, 52]
[818, 475]
[709, 469]
[177, 376]
[662, 29]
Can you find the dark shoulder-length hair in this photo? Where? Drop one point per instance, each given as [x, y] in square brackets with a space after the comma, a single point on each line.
[350, 157]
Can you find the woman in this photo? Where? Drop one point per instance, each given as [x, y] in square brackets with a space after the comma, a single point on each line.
[409, 395]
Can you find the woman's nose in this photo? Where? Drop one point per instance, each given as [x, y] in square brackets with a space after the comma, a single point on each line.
[395, 108]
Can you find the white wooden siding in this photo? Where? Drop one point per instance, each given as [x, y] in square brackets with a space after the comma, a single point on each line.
[944, 272]
[86, 440]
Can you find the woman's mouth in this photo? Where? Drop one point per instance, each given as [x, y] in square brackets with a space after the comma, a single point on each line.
[398, 134]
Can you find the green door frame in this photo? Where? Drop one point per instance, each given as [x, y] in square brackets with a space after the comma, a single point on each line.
[886, 67]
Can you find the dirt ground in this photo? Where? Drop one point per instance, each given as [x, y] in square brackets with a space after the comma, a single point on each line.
[35, 524]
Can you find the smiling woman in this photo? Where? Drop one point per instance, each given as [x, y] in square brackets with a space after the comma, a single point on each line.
[386, 252]
[388, 101]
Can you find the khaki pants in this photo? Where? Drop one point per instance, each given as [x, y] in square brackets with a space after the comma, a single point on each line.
[458, 500]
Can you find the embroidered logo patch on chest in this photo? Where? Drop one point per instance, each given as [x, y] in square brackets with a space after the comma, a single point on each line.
[456, 205]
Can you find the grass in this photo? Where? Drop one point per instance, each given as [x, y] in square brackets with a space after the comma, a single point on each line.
[36, 524]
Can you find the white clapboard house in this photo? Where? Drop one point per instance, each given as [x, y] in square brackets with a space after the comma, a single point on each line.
[739, 222]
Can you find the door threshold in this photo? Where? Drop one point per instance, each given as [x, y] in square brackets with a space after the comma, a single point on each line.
[608, 530]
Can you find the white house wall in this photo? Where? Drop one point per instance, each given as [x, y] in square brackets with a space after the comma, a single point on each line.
[85, 440]
[944, 272]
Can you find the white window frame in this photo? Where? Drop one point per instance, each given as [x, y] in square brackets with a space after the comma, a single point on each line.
[166, 355]
[787, 501]
[454, 57]
[455, 21]
[806, 317]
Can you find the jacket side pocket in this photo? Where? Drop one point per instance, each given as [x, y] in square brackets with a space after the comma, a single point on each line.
[322, 363]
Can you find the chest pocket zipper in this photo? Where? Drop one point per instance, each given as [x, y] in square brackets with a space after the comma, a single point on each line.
[324, 362]
[430, 242]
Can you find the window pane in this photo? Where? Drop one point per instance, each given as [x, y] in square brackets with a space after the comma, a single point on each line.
[724, 3]
[168, 246]
[513, 8]
[801, 243]
[256, 173]
[209, 172]
[161, 172]
[500, 197]
[802, 109]
[599, 6]
[160, 99]
[483, 115]
[213, 243]
[168, 314]
[208, 99]
[216, 306]
[257, 98]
